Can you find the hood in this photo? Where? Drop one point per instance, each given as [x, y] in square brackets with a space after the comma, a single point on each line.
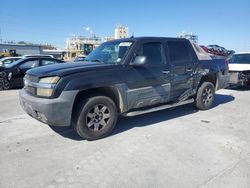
[239, 67]
[63, 69]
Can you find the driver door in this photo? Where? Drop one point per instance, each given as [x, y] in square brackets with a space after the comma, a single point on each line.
[149, 84]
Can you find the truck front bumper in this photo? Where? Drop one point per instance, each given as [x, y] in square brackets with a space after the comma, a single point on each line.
[55, 112]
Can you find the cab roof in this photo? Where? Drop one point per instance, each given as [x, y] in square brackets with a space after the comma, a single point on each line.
[147, 38]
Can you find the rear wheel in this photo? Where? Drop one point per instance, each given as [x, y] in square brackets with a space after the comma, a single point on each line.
[95, 117]
[205, 96]
[1, 84]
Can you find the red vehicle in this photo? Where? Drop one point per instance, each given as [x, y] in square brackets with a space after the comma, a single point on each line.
[204, 48]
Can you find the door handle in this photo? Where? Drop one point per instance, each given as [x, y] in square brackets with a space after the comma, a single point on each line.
[189, 69]
[165, 72]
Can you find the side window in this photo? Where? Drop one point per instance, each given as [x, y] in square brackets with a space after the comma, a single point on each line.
[178, 52]
[47, 62]
[8, 61]
[29, 64]
[154, 53]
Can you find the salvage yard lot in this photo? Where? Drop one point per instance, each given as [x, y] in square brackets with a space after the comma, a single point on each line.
[181, 147]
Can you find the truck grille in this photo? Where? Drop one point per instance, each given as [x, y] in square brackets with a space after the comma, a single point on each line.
[31, 90]
[27, 86]
[31, 78]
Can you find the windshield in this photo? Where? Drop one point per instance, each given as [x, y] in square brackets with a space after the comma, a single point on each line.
[9, 60]
[240, 59]
[110, 52]
[10, 65]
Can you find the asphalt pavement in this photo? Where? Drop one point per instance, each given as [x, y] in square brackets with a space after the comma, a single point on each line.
[181, 147]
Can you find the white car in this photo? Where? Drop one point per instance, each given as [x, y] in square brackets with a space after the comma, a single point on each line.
[239, 68]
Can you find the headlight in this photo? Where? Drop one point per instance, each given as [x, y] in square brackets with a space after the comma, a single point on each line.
[49, 80]
[45, 89]
[44, 92]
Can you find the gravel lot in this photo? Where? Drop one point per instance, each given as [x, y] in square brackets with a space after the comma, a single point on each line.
[181, 147]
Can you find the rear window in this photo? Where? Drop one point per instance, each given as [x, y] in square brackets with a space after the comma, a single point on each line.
[240, 59]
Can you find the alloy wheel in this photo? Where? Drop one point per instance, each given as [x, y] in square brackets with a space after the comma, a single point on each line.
[207, 96]
[98, 117]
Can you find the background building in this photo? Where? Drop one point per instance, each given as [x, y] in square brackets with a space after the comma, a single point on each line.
[108, 39]
[81, 46]
[56, 53]
[190, 36]
[121, 32]
[19, 49]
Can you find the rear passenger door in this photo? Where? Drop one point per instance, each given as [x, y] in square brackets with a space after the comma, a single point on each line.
[150, 83]
[182, 67]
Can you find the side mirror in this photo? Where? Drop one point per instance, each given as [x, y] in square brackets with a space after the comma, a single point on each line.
[139, 61]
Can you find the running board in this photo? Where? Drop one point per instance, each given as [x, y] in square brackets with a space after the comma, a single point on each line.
[163, 107]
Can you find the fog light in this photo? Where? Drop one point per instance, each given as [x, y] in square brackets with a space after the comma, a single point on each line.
[42, 92]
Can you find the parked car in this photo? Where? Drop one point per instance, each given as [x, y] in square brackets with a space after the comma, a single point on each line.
[79, 58]
[239, 68]
[39, 55]
[205, 48]
[12, 74]
[222, 51]
[213, 48]
[122, 77]
[8, 60]
[230, 52]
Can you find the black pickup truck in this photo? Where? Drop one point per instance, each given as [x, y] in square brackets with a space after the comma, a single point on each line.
[122, 77]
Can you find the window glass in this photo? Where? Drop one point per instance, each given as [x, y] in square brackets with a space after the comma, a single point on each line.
[240, 59]
[178, 52]
[47, 62]
[154, 53]
[8, 61]
[110, 52]
[29, 64]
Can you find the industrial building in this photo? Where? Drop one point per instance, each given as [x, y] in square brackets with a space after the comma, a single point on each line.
[121, 32]
[191, 36]
[82, 46]
[19, 49]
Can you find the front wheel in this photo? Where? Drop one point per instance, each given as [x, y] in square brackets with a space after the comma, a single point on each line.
[95, 117]
[6, 85]
[205, 96]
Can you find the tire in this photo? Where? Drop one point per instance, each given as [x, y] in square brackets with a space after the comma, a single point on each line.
[6, 85]
[1, 84]
[205, 96]
[95, 117]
